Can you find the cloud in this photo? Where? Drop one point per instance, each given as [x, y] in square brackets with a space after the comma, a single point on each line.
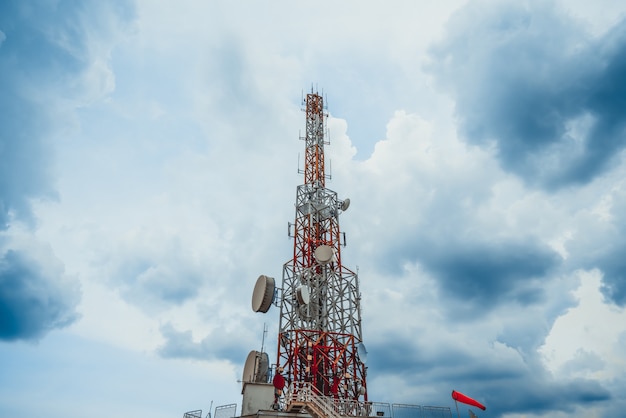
[529, 79]
[486, 274]
[583, 341]
[532, 395]
[608, 255]
[457, 216]
[597, 234]
[26, 169]
[152, 274]
[35, 297]
[220, 344]
[503, 378]
[614, 280]
[471, 268]
[585, 362]
[49, 70]
[180, 344]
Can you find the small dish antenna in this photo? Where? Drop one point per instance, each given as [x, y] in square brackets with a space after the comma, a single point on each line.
[256, 367]
[263, 294]
[303, 295]
[249, 367]
[345, 205]
[323, 254]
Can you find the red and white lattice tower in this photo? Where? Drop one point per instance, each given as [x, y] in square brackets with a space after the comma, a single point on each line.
[320, 339]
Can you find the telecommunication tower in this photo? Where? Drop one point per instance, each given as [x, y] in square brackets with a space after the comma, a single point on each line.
[320, 367]
[320, 342]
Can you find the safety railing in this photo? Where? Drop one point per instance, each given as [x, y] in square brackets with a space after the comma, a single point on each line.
[303, 393]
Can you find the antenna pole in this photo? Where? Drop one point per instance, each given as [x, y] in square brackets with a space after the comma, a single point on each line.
[320, 314]
[263, 338]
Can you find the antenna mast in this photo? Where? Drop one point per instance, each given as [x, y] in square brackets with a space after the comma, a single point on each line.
[320, 339]
[320, 359]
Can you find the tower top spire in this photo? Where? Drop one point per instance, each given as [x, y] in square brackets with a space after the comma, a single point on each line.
[314, 170]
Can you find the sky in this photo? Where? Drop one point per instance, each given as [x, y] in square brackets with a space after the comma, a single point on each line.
[149, 156]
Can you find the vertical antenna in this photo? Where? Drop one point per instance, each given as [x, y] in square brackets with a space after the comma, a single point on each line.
[263, 339]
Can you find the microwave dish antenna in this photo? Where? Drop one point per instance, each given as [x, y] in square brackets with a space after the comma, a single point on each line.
[303, 295]
[263, 294]
[323, 254]
[256, 367]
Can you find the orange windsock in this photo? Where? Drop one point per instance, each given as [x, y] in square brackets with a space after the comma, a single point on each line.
[458, 396]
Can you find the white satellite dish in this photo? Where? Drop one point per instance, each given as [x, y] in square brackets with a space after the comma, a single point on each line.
[256, 367]
[323, 254]
[303, 295]
[263, 294]
[345, 205]
[249, 367]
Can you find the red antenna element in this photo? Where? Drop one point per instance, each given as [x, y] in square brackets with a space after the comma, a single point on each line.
[320, 340]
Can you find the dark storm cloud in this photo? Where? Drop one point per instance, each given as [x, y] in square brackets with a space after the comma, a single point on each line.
[506, 383]
[540, 395]
[618, 405]
[33, 298]
[613, 267]
[530, 80]
[43, 53]
[407, 356]
[482, 275]
[496, 273]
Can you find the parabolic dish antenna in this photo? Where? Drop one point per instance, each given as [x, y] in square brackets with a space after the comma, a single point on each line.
[256, 367]
[345, 205]
[249, 367]
[263, 294]
[323, 254]
[303, 295]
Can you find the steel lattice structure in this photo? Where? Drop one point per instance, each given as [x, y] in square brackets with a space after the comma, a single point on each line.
[320, 335]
